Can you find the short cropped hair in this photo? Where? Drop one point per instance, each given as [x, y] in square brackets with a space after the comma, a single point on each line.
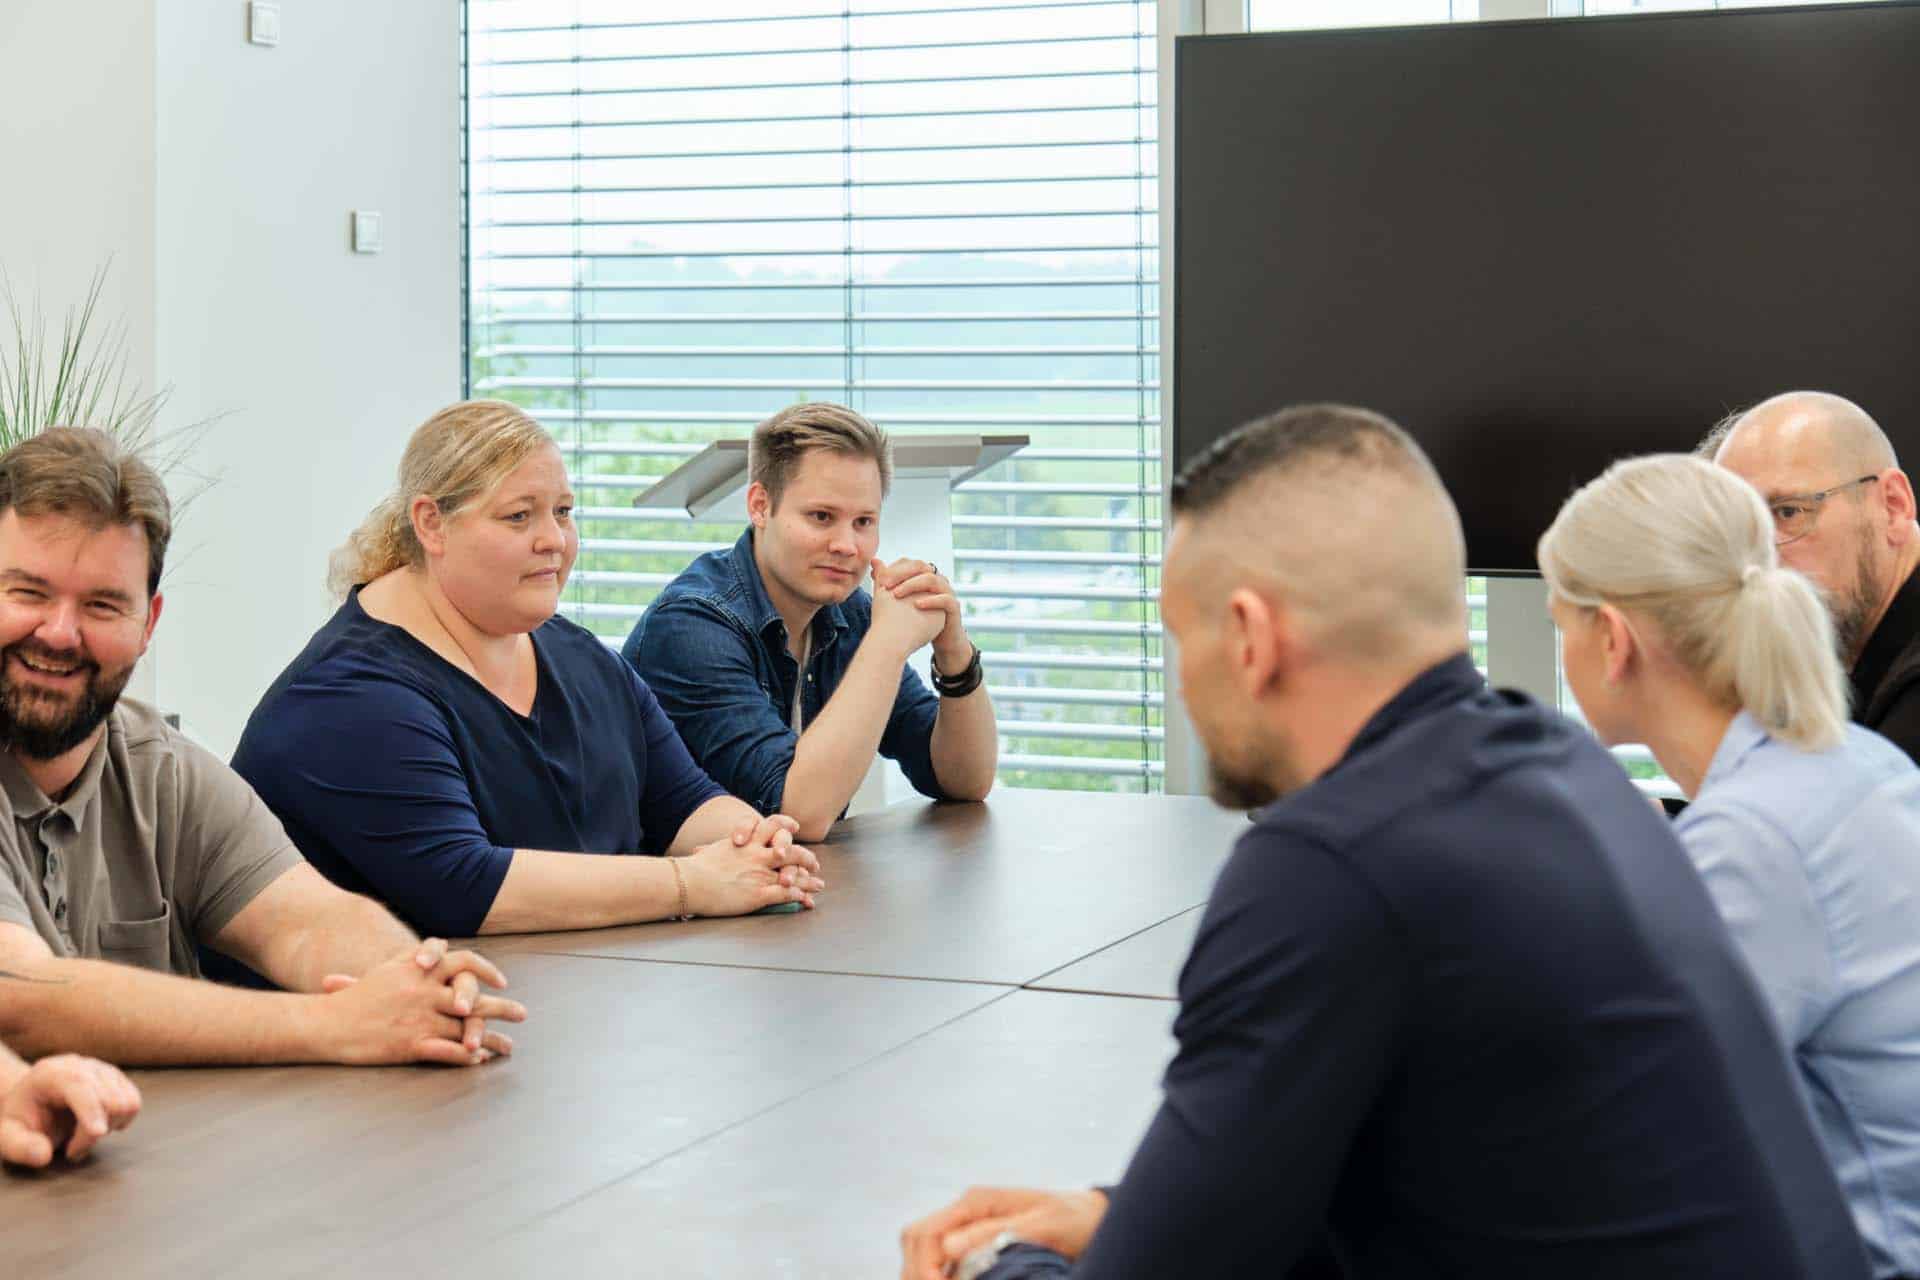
[781, 441]
[1327, 434]
[88, 475]
[1709, 447]
[1342, 508]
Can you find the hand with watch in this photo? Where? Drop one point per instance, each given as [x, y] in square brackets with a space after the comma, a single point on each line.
[1003, 1233]
[920, 583]
[962, 683]
[1007, 1257]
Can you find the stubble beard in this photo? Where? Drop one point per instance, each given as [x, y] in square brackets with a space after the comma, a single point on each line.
[1853, 609]
[1241, 785]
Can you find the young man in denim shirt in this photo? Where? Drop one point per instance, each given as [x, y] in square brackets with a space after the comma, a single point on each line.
[781, 674]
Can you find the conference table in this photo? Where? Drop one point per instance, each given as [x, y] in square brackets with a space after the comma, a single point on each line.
[984, 995]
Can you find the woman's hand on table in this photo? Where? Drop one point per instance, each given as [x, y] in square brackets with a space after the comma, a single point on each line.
[757, 866]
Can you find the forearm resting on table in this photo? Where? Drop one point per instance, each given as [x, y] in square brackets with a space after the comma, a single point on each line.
[834, 754]
[136, 1017]
[301, 928]
[717, 819]
[966, 746]
[546, 890]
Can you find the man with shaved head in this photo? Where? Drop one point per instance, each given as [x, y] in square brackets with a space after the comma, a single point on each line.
[1843, 515]
[1459, 1004]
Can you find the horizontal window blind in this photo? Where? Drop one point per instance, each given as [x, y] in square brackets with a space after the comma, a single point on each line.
[681, 219]
[1286, 15]
[1669, 6]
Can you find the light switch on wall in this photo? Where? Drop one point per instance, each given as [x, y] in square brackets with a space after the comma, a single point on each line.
[366, 231]
[263, 22]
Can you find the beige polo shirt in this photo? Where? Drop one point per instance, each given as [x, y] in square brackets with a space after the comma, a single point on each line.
[157, 846]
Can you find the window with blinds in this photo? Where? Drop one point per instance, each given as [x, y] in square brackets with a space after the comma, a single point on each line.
[1669, 6]
[1290, 15]
[682, 218]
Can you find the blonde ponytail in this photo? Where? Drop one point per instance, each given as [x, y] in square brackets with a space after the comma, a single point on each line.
[454, 457]
[1779, 656]
[383, 542]
[1689, 546]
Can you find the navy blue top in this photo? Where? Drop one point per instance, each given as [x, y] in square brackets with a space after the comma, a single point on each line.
[401, 777]
[1462, 1007]
[714, 649]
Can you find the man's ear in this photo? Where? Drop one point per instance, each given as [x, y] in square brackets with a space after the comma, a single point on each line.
[1620, 645]
[759, 504]
[429, 526]
[1896, 498]
[153, 619]
[1259, 643]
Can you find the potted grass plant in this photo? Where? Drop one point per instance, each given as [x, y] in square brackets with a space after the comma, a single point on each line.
[82, 380]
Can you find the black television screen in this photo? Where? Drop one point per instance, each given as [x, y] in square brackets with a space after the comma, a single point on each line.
[1540, 246]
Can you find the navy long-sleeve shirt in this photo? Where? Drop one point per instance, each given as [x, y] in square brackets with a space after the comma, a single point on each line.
[1463, 1005]
[399, 776]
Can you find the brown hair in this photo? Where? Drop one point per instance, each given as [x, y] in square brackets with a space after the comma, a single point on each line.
[781, 441]
[87, 475]
[457, 455]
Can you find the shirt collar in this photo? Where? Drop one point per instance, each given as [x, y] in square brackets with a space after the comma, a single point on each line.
[1444, 683]
[747, 570]
[29, 802]
[1743, 737]
[1896, 630]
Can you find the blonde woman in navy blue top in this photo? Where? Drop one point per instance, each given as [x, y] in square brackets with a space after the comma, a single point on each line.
[448, 745]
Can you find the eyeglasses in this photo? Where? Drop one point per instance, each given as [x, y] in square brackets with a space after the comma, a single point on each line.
[1795, 514]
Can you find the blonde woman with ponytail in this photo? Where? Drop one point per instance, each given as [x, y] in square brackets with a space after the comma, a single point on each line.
[449, 745]
[1679, 628]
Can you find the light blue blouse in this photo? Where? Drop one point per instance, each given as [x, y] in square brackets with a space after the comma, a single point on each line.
[1814, 860]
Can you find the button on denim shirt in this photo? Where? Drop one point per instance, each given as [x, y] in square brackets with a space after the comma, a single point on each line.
[1813, 858]
[714, 651]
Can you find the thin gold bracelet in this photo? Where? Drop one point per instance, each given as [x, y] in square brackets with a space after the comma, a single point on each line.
[680, 882]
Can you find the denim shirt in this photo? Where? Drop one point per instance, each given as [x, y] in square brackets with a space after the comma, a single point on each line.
[714, 651]
[1813, 858]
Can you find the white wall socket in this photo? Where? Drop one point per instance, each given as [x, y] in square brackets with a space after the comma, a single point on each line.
[366, 231]
[263, 22]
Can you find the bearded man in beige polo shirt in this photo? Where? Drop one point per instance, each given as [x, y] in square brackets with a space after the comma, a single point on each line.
[123, 846]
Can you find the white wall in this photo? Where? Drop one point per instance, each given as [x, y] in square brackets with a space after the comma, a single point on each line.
[77, 146]
[321, 360]
[218, 176]
[76, 143]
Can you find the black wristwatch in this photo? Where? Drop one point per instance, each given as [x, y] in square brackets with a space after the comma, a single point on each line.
[962, 683]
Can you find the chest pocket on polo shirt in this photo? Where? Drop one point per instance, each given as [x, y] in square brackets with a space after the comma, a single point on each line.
[145, 943]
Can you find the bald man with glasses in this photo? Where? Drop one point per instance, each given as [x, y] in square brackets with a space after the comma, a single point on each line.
[1844, 515]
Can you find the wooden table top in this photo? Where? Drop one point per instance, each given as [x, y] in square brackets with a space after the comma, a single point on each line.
[1002, 892]
[1146, 964]
[770, 1096]
[1037, 1088]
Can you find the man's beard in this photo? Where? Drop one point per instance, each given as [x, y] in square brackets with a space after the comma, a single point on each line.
[1853, 609]
[1234, 790]
[1237, 786]
[42, 726]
